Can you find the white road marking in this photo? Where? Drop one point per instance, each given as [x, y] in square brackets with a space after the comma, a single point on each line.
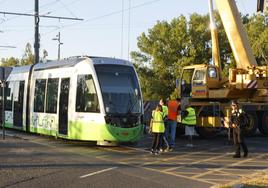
[98, 172]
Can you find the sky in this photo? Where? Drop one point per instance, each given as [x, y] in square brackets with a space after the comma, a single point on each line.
[106, 29]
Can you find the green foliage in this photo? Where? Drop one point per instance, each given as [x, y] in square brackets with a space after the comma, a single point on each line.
[166, 48]
[10, 62]
[258, 36]
[28, 57]
[169, 46]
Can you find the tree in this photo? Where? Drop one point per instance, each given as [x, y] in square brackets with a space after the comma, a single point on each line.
[159, 56]
[28, 57]
[9, 62]
[167, 47]
[258, 34]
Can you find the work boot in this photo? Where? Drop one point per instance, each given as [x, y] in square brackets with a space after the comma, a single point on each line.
[166, 150]
[245, 149]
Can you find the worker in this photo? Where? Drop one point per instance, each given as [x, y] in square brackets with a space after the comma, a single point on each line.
[189, 121]
[157, 128]
[236, 122]
[173, 111]
[164, 145]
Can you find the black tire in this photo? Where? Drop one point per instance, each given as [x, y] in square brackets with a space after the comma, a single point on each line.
[252, 128]
[206, 132]
[264, 123]
[260, 116]
[180, 130]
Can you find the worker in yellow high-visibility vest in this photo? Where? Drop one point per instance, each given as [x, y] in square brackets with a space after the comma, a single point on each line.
[157, 128]
[164, 145]
[189, 120]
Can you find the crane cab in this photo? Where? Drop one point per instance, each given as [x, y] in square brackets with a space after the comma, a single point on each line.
[196, 81]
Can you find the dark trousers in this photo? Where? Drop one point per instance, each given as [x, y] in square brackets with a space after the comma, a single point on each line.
[239, 141]
[156, 141]
[164, 140]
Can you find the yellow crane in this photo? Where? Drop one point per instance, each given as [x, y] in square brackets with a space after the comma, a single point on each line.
[205, 88]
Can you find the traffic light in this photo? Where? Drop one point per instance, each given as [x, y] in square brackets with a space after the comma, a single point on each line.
[260, 6]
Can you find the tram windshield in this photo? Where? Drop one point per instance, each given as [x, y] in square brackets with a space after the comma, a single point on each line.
[120, 89]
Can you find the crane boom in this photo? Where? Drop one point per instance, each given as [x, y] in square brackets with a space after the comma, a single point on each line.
[214, 38]
[236, 34]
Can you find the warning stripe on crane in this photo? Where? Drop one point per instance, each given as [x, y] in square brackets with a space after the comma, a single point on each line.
[252, 84]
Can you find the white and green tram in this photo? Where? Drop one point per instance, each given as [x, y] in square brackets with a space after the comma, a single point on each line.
[81, 98]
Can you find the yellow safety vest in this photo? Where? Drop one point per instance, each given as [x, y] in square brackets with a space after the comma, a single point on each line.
[190, 119]
[157, 122]
[165, 110]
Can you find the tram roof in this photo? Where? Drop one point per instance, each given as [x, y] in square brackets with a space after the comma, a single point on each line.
[70, 62]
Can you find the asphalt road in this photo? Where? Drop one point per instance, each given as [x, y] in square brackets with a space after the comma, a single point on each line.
[38, 161]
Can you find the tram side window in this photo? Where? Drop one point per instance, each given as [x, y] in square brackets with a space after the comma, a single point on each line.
[86, 95]
[52, 95]
[9, 97]
[39, 95]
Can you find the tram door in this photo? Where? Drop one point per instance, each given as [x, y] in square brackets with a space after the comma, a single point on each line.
[63, 106]
[18, 106]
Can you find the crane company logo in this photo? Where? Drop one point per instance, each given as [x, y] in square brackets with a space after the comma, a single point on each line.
[200, 92]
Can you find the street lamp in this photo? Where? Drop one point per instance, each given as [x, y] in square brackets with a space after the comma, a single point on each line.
[57, 38]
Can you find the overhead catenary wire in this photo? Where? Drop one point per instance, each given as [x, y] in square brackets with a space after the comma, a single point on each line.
[66, 7]
[44, 16]
[243, 5]
[92, 19]
[42, 6]
[110, 14]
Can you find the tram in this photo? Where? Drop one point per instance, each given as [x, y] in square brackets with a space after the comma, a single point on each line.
[80, 98]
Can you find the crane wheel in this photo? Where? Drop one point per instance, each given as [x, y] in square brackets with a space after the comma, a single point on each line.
[252, 128]
[180, 130]
[206, 132]
[264, 124]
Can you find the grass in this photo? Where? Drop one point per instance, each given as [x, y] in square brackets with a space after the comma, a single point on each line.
[259, 180]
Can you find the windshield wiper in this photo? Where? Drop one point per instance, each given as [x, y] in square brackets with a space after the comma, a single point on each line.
[131, 103]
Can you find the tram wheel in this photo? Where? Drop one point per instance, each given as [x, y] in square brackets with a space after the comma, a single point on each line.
[206, 132]
[180, 130]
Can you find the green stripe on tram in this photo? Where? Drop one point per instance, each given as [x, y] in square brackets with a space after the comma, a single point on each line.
[92, 132]
[101, 132]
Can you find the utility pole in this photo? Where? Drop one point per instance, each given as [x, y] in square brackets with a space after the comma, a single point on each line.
[36, 46]
[36, 31]
[36, 25]
[3, 103]
[59, 43]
